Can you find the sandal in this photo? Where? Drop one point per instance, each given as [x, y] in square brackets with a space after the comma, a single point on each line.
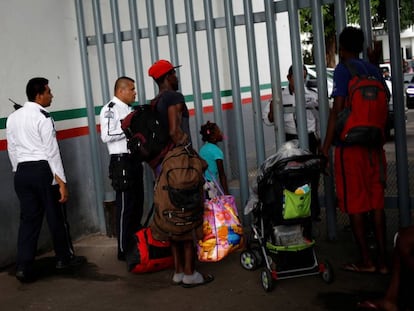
[207, 278]
[359, 268]
[367, 305]
[383, 270]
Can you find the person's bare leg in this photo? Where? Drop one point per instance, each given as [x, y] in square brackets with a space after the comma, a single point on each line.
[403, 256]
[390, 300]
[358, 229]
[177, 252]
[176, 249]
[189, 257]
[380, 236]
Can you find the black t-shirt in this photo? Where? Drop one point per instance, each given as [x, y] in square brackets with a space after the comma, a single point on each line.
[170, 98]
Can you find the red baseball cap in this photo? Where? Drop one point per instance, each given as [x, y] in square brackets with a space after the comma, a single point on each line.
[160, 68]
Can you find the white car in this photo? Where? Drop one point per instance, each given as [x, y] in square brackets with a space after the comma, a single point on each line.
[312, 78]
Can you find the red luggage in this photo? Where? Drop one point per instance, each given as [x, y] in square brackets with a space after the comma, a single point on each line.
[147, 254]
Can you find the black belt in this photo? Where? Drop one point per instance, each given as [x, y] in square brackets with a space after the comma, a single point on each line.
[296, 135]
[32, 162]
[120, 155]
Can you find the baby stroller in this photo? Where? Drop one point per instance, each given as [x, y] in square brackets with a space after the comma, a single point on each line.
[281, 236]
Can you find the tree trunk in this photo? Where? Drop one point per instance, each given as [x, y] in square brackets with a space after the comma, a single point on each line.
[331, 51]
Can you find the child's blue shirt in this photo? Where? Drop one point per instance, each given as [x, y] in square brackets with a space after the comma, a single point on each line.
[210, 153]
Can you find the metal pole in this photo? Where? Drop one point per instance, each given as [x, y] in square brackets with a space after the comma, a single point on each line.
[152, 34]
[101, 51]
[320, 60]
[404, 203]
[214, 75]
[365, 18]
[279, 123]
[195, 73]
[139, 77]
[237, 104]
[172, 32]
[340, 17]
[117, 38]
[301, 122]
[93, 137]
[136, 48]
[255, 84]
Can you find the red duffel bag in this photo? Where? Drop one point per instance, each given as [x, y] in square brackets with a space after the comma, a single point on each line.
[146, 254]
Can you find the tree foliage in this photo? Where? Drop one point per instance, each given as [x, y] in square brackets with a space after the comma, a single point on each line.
[379, 18]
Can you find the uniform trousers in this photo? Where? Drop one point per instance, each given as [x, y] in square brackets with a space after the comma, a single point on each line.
[129, 202]
[33, 186]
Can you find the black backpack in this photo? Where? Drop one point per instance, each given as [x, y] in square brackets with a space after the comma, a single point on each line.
[145, 134]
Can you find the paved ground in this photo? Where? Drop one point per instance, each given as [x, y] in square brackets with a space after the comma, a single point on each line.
[104, 284]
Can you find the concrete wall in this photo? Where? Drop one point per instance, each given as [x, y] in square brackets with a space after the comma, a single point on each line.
[40, 38]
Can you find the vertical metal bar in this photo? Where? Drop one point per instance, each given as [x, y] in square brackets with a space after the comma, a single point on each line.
[117, 38]
[139, 78]
[301, 122]
[340, 17]
[255, 84]
[214, 76]
[404, 204]
[93, 137]
[320, 60]
[152, 30]
[136, 48]
[241, 149]
[365, 18]
[279, 123]
[152, 33]
[101, 50]
[195, 76]
[172, 32]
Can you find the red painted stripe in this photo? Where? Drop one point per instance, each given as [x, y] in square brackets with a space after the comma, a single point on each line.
[3, 145]
[83, 131]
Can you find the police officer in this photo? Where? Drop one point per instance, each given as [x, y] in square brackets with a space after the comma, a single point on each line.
[312, 121]
[126, 173]
[39, 180]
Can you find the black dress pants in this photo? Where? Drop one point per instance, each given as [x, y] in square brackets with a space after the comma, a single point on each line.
[129, 201]
[37, 195]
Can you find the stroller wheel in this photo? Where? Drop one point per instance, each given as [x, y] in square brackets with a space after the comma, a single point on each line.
[267, 280]
[326, 272]
[249, 260]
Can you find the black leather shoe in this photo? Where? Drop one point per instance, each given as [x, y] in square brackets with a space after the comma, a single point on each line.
[121, 257]
[72, 262]
[24, 276]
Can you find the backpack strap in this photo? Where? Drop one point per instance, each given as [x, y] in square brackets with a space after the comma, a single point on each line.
[352, 69]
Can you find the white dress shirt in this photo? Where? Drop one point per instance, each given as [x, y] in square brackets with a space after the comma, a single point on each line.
[31, 136]
[111, 132]
[289, 106]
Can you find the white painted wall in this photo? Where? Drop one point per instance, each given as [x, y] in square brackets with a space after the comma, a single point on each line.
[39, 38]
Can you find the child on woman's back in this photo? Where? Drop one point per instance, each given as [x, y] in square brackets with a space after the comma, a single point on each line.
[213, 155]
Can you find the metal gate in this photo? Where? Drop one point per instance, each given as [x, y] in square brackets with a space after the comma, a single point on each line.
[124, 37]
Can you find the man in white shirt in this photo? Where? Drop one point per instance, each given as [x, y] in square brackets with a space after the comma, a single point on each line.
[312, 121]
[126, 173]
[39, 180]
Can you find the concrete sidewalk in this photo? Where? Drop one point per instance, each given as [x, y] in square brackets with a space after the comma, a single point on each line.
[103, 283]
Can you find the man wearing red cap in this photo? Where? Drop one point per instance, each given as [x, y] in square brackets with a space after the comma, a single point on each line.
[174, 116]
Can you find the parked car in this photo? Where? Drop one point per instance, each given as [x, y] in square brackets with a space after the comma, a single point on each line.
[311, 82]
[409, 90]
[311, 79]
[390, 122]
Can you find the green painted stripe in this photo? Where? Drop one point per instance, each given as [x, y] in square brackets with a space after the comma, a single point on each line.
[82, 112]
